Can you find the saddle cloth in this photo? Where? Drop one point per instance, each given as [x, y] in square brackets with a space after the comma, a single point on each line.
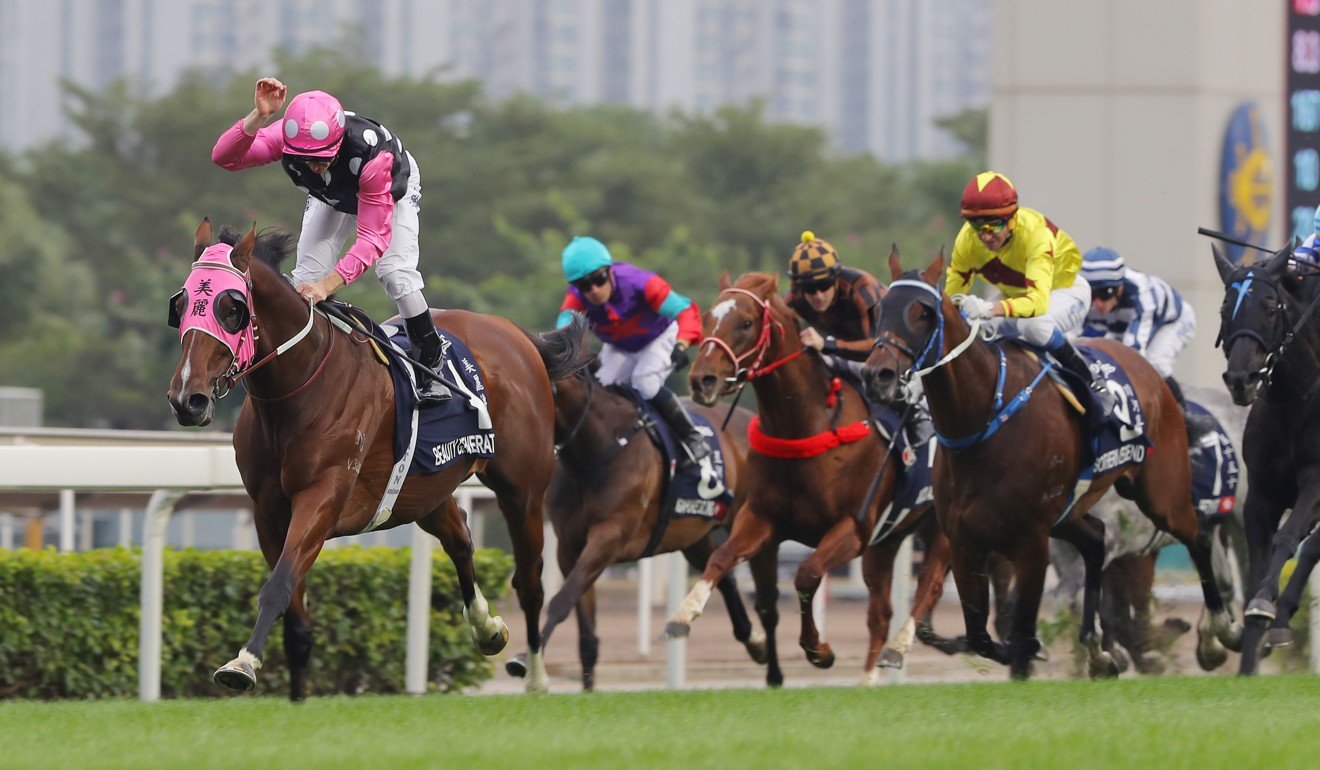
[1215, 467]
[913, 451]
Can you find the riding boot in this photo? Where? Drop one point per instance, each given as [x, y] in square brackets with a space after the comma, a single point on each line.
[1101, 398]
[1177, 392]
[1198, 425]
[428, 348]
[670, 408]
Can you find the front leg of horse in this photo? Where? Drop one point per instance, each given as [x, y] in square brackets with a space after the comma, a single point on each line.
[603, 543]
[1279, 633]
[298, 642]
[750, 534]
[971, 577]
[1087, 534]
[878, 574]
[241, 672]
[930, 587]
[838, 546]
[449, 525]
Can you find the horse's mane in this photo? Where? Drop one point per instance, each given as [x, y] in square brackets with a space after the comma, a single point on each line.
[273, 246]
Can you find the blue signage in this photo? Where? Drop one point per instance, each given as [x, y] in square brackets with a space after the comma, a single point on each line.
[1246, 180]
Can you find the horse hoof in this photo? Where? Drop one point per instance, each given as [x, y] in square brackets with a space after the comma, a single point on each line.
[890, 658]
[1278, 637]
[677, 630]
[1103, 666]
[774, 678]
[756, 648]
[1260, 608]
[236, 675]
[495, 643]
[1121, 659]
[1210, 656]
[820, 658]
[516, 666]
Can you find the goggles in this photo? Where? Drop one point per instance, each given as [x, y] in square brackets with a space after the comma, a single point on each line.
[587, 282]
[990, 225]
[1103, 292]
[817, 286]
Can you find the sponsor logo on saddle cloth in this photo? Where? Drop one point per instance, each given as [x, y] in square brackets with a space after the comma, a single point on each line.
[695, 489]
[1123, 440]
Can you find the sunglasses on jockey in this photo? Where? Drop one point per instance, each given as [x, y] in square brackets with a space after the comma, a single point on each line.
[1103, 292]
[587, 282]
[818, 286]
[989, 225]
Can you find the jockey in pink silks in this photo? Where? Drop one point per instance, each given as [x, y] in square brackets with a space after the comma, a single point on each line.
[357, 176]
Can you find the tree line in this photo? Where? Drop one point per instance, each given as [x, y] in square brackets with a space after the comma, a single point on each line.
[96, 232]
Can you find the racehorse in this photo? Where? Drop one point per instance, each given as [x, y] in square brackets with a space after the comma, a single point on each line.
[812, 463]
[1132, 543]
[1003, 482]
[605, 502]
[313, 440]
[1272, 346]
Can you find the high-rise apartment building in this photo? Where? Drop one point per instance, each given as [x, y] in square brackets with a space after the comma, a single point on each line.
[874, 73]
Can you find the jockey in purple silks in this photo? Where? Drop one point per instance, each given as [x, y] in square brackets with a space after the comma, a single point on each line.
[646, 327]
[358, 177]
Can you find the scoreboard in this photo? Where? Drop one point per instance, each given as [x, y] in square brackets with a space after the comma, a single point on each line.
[1302, 151]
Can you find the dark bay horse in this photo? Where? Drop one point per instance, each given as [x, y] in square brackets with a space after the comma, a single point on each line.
[1271, 341]
[813, 489]
[605, 499]
[1004, 492]
[313, 441]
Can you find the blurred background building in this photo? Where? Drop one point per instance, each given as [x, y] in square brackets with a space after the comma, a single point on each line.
[873, 73]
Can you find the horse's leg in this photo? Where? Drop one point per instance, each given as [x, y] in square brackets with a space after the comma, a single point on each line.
[523, 504]
[750, 534]
[1087, 534]
[1001, 581]
[1260, 516]
[448, 523]
[698, 555]
[1279, 633]
[588, 643]
[1029, 563]
[313, 516]
[930, 587]
[839, 545]
[765, 575]
[878, 574]
[298, 642]
[969, 575]
[603, 543]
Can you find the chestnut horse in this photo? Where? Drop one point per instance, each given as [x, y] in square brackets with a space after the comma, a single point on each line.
[814, 496]
[1271, 339]
[1004, 487]
[313, 441]
[604, 502]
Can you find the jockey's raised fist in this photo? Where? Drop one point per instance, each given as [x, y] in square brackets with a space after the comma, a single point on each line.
[269, 96]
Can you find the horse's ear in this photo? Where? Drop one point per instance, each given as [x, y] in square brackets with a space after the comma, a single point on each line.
[931, 274]
[1222, 264]
[895, 265]
[725, 280]
[202, 238]
[1279, 262]
[241, 256]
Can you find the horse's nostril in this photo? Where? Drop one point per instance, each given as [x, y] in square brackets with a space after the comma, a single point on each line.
[708, 381]
[198, 402]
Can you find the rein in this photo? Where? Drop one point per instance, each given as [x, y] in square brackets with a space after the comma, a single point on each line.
[744, 374]
[234, 377]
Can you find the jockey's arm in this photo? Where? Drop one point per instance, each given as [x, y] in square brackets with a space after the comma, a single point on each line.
[866, 296]
[670, 304]
[236, 149]
[963, 263]
[375, 218]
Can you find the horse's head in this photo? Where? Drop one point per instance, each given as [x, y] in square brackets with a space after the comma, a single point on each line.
[1254, 319]
[909, 331]
[213, 315]
[738, 331]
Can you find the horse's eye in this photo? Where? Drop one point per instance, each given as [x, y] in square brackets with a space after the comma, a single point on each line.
[745, 324]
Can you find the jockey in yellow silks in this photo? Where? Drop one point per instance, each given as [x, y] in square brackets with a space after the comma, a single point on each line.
[1035, 266]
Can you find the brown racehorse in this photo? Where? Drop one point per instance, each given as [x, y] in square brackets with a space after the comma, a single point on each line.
[313, 444]
[752, 335]
[1003, 492]
[604, 502]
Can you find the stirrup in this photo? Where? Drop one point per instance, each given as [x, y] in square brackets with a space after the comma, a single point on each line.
[691, 455]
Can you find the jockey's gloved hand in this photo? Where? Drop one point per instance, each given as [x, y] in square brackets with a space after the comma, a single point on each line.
[679, 357]
[974, 307]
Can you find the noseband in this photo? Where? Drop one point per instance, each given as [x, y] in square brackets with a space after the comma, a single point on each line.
[1274, 348]
[743, 374]
[934, 340]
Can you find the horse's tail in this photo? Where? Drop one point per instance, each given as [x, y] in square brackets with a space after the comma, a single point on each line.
[562, 350]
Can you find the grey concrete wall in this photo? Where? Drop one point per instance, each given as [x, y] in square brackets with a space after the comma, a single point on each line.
[1109, 117]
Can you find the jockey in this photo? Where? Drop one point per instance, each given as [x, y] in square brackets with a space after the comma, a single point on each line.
[645, 326]
[1142, 311]
[841, 302]
[1307, 252]
[358, 177]
[1034, 264]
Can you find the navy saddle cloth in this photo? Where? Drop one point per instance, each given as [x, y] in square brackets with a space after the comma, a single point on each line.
[694, 489]
[447, 431]
[913, 450]
[1215, 467]
[1123, 439]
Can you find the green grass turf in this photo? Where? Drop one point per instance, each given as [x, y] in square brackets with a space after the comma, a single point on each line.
[1197, 722]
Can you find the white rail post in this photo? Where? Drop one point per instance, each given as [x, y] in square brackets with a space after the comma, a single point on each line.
[551, 578]
[156, 520]
[676, 649]
[644, 577]
[900, 594]
[419, 613]
[1314, 585]
[125, 527]
[6, 532]
[67, 526]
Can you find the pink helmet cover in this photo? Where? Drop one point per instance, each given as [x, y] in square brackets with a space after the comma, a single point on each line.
[313, 125]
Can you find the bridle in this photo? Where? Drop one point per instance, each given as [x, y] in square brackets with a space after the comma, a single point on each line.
[743, 374]
[934, 339]
[1281, 339]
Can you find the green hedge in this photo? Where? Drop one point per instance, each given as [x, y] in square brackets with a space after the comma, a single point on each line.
[69, 622]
